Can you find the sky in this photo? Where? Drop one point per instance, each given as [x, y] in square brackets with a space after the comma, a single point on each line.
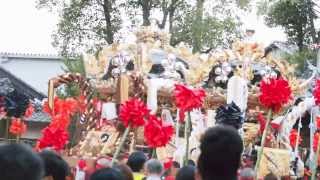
[26, 29]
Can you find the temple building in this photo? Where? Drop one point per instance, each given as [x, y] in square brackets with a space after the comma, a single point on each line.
[29, 74]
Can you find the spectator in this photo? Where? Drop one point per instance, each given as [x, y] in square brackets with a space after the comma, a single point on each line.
[221, 148]
[154, 169]
[186, 173]
[18, 162]
[107, 174]
[136, 162]
[126, 171]
[247, 174]
[191, 163]
[270, 176]
[54, 165]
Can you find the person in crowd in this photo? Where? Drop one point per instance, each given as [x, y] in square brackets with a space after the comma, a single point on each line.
[55, 167]
[186, 173]
[136, 162]
[247, 174]
[171, 173]
[153, 169]
[221, 148]
[191, 163]
[18, 162]
[270, 176]
[107, 174]
[126, 171]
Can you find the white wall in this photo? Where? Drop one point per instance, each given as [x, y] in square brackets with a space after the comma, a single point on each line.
[34, 130]
[35, 73]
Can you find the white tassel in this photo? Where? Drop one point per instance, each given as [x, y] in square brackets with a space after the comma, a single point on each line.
[237, 92]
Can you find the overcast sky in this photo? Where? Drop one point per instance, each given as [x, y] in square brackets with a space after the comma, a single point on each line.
[26, 29]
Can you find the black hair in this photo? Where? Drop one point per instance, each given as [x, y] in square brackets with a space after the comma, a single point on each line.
[54, 165]
[270, 176]
[16, 103]
[136, 161]
[229, 114]
[186, 173]
[107, 173]
[221, 148]
[125, 170]
[175, 164]
[19, 162]
[191, 163]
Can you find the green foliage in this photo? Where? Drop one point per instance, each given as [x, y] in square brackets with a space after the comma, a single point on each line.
[75, 65]
[300, 58]
[211, 30]
[87, 25]
[296, 17]
[72, 89]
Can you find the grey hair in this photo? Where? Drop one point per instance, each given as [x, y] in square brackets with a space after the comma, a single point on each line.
[154, 166]
[247, 172]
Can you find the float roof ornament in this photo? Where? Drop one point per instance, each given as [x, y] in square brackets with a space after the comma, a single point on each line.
[247, 59]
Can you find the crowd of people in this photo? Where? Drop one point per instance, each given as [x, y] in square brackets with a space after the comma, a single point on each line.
[220, 159]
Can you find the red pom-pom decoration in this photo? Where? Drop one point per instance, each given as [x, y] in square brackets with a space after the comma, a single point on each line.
[294, 137]
[318, 122]
[17, 127]
[262, 121]
[82, 164]
[62, 106]
[133, 112]
[315, 141]
[188, 99]
[53, 137]
[56, 135]
[274, 93]
[168, 164]
[29, 111]
[156, 133]
[316, 92]
[60, 121]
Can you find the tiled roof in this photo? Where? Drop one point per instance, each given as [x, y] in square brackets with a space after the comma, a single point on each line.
[8, 55]
[39, 117]
[21, 86]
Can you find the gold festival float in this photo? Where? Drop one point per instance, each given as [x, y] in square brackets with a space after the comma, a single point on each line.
[149, 69]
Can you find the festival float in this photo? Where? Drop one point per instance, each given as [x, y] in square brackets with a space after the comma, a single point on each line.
[160, 99]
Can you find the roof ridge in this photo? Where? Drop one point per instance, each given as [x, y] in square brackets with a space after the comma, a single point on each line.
[11, 75]
[30, 55]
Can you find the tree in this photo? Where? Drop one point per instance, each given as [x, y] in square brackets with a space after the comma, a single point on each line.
[296, 17]
[85, 25]
[146, 7]
[169, 9]
[205, 29]
[197, 26]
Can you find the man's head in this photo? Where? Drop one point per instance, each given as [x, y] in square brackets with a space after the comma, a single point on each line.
[136, 161]
[107, 173]
[55, 166]
[191, 163]
[270, 176]
[186, 173]
[19, 162]
[153, 167]
[247, 174]
[221, 148]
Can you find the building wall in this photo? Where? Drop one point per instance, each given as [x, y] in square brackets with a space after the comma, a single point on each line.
[34, 130]
[34, 72]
